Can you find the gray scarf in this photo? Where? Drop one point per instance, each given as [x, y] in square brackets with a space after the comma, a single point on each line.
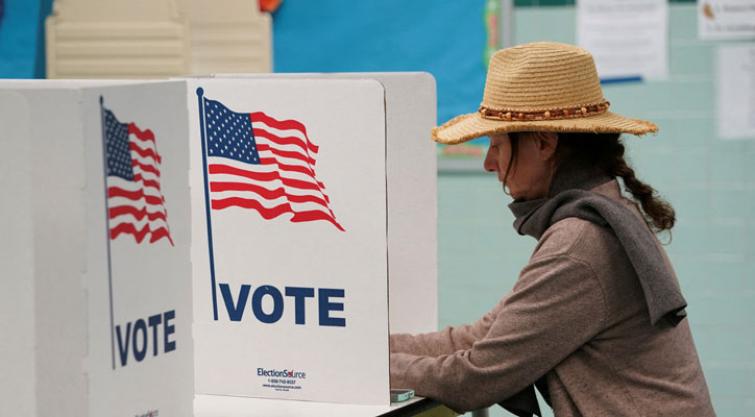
[569, 197]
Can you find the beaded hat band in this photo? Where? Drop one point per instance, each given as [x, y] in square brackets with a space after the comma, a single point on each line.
[551, 114]
[540, 86]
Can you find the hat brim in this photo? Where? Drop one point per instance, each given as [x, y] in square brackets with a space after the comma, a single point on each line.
[470, 126]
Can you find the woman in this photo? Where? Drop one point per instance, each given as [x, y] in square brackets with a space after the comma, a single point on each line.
[596, 319]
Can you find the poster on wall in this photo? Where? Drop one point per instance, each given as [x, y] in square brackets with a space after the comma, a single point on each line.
[735, 91]
[726, 19]
[460, 87]
[288, 181]
[627, 38]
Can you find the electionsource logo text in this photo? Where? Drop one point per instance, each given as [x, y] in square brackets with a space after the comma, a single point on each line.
[285, 373]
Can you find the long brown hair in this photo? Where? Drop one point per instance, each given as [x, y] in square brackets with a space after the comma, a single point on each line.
[606, 150]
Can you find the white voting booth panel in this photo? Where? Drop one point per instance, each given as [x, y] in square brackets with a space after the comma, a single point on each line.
[295, 208]
[109, 299]
[17, 356]
[412, 193]
[146, 164]
[289, 239]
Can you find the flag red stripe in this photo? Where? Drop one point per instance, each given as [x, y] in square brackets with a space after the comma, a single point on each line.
[283, 125]
[139, 214]
[285, 154]
[309, 199]
[144, 167]
[147, 183]
[139, 234]
[278, 140]
[292, 168]
[144, 153]
[143, 135]
[220, 186]
[270, 213]
[308, 216]
[266, 213]
[261, 176]
[114, 191]
[278, 124]
[159, 234]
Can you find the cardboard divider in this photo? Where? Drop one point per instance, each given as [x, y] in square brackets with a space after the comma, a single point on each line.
[290, 251]
[94, 295]
[243, 237]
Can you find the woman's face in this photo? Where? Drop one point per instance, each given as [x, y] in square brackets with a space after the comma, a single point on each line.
[533, 166]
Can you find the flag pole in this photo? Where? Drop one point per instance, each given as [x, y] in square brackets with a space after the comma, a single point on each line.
[107, 231]
[200, 99]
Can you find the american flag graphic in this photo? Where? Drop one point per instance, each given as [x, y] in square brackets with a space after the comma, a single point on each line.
[136, 205]
[260, 163]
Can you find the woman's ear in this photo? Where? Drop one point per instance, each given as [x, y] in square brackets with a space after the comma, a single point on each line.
[546, 143]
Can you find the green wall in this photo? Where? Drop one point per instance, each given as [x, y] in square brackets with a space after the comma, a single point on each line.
[710, 182]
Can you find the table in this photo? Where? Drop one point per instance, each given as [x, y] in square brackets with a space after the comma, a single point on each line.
[228, 406]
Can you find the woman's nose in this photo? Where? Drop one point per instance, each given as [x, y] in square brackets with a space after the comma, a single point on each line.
[489, 163]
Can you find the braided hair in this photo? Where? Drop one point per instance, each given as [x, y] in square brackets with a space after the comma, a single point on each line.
[606, 150]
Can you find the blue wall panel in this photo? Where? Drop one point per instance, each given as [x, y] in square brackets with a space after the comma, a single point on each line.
[22, 38]
[446, 39]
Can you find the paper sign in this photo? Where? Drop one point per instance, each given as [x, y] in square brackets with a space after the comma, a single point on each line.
[735, 81]
[726, 19]
[627, 38]
[288, 182]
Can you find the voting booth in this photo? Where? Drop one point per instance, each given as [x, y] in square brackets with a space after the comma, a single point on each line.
[303, 224]
[250, 237]
[292, 246]
[97, 317]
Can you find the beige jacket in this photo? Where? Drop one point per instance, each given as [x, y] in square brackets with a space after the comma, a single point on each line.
[576, 314]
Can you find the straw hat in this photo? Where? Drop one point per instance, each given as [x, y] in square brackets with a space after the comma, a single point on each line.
[542, 86]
